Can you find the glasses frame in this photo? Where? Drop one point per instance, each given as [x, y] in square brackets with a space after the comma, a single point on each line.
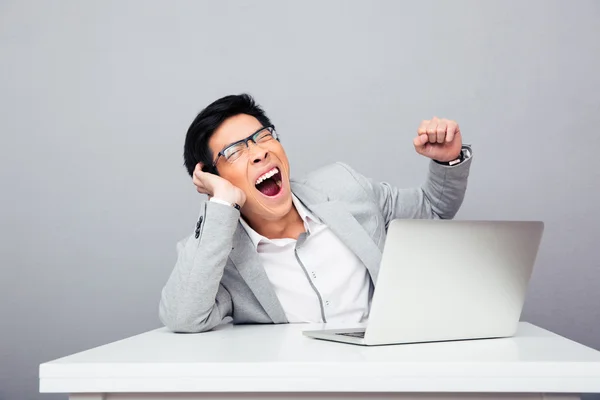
[270, 128]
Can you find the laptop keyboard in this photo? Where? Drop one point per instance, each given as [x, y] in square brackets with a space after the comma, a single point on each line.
[353, 334]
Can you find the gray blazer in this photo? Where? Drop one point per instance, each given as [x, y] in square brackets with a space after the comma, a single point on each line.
[218, 276]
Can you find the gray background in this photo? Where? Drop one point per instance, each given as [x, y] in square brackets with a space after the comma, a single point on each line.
[96, 97]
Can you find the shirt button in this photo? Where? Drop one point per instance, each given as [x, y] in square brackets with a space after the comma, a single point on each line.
[314, 275]
[326, 302]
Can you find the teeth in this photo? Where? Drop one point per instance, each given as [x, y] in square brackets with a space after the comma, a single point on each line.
[267, 175]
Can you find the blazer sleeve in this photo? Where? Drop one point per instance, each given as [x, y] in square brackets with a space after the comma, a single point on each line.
[193, 299]
[440, 196]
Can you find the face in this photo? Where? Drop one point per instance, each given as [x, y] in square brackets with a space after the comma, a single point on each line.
[262, 171]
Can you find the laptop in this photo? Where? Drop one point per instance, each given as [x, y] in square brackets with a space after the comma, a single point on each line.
[443, 280]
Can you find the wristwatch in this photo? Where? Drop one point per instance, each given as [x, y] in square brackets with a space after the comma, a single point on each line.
[465, 153]
[226, 203]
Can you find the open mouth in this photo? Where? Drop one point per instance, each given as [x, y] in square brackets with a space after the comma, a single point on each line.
[269, 183]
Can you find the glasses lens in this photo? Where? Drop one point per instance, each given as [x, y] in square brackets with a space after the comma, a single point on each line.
[263, 136]
[234, 152]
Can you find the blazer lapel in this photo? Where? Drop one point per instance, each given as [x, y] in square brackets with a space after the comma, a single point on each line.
[246, 260]
[343, 224]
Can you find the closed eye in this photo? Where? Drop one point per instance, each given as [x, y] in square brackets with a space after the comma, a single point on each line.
[234, 151]
[263, 137]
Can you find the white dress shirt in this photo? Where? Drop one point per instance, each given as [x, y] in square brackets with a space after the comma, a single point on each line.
[316, 278]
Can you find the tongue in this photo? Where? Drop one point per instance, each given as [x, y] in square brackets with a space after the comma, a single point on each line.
[268, 187]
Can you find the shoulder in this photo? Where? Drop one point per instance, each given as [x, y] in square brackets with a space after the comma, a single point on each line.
[337, 180]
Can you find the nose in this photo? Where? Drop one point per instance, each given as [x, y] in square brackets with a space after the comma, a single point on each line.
[257, 153]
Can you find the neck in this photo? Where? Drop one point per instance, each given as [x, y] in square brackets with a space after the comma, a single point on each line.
[289, 226]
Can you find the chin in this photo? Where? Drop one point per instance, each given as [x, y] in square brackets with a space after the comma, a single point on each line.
[275, 210]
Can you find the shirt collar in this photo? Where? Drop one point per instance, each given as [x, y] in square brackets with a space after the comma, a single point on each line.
[307, 217]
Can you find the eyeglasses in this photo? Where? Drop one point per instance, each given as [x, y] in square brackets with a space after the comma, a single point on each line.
[236, 149]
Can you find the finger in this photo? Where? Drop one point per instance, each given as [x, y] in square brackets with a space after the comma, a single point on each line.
[200, 187]
[422, 137]
[432, 130]
[422, 130]
[198, 175]
[199, 182]
[441, 131]
[451, 131]
[197, 178]
[199, 172]
[203, 190]
[420, 141]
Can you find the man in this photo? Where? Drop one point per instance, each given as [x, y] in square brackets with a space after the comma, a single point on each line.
[270, 249]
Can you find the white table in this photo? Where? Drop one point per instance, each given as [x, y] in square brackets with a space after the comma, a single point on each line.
[277, 361]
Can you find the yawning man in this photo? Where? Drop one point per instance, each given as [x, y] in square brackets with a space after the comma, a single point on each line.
[268, 248]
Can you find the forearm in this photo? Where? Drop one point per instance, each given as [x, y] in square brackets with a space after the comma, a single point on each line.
[439, 197]
[444, 190]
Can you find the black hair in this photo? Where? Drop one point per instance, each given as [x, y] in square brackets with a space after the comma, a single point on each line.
[196, 148]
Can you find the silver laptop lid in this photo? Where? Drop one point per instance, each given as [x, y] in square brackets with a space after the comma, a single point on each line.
[449, 279]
